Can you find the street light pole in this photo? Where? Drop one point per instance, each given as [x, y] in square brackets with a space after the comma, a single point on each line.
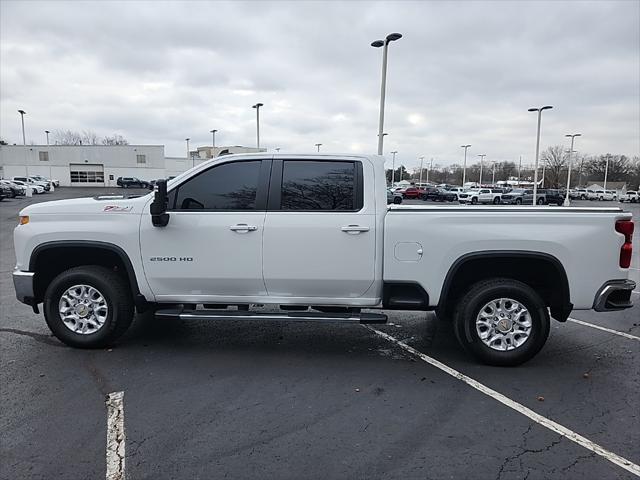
[393, 168]
[47, 132]
[383, 84]
[24, 139]
[481, 160]
[606, 171]
[421, 164]
[192, 161]
[567, 202]
[257, 107]
[464, 167]
[213, 138]
[318, 145]
[493, 174]
[535, 173]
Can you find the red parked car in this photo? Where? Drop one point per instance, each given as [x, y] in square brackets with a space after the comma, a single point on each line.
[412, 192]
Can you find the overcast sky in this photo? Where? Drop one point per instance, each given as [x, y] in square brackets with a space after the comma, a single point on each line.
[464, 72]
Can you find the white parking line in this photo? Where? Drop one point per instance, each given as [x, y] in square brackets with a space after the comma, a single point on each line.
[604, 329]
[115, 436]
[518, 407]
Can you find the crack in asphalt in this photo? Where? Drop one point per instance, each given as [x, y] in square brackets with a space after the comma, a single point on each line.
[525, 451]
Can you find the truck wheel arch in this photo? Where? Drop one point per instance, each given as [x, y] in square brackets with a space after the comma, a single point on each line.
[89, 249]
[532, 268]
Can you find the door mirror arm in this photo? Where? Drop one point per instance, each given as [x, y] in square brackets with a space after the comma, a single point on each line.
[159, 215]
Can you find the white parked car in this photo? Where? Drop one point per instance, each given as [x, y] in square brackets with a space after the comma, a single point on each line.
[230, 231]
[579, 194]
[35, 187]
[603, 195]
[631, 196]
[32, 181]
[40, 178]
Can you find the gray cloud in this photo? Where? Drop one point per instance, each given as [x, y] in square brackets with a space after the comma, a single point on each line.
[465, 72]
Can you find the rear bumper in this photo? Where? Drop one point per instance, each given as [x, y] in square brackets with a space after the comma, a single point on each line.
[614, 295]
[23, 283]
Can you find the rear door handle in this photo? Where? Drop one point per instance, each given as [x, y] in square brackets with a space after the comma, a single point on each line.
[243, 227]
[354, 229]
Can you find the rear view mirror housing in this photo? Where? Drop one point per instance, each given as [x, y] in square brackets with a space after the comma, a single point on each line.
[159, 215]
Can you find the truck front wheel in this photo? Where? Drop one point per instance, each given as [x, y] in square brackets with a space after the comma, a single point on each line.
[501, 322]
[88, 306]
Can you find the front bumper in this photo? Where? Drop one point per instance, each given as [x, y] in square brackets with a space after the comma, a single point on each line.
[614, 295]
[23, 283]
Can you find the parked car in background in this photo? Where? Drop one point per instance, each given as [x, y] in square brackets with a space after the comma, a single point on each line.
[40, 178]
[593, 194]
[31, 181]
[16, 190]
[522, 196]
[35, 188]
[612, 193]
[412, 192]
[631, 196]
[132, 182]
[602, 195]
[481, 195]
[553, 196]
[393, 197]
[5, 191]
[490, 195]
[439, 195]
[578, 194]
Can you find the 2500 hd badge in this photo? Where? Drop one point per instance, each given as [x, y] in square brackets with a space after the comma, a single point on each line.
[171, 259]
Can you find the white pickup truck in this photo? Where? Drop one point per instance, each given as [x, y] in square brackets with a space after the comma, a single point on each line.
[313, 234]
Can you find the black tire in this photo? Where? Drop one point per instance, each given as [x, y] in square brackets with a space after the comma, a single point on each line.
[518, 201]
[540, 201]
[397, 200]
[474, 200]
[477, 297]
[560, 203]
[496, 200]
[116, 293]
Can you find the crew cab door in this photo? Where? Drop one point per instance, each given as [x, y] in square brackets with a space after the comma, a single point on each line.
[212, 245]
[319, 233]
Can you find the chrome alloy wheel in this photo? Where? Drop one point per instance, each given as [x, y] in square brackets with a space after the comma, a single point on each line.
[503, 324]
[83, 309]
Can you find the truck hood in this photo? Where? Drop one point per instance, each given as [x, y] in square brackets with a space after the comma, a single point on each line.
[116, 204]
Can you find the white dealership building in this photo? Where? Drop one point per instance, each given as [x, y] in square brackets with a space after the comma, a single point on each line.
[101, 165]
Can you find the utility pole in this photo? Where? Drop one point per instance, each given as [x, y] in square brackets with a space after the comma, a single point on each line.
[257, 107]
[318, 145]
[606, 171]
[535, 172]
[519, 170]
[421, 163]
[567, 202]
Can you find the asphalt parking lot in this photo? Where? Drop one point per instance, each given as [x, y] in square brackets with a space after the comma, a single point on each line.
[284, 400]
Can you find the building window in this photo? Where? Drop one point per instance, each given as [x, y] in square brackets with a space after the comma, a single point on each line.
[87, 177]
[44, 156]
[141, 158]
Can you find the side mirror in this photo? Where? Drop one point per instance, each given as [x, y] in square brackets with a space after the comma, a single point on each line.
[159, 215]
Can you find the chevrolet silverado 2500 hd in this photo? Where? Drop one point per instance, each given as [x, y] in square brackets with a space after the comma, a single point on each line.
[313, 234]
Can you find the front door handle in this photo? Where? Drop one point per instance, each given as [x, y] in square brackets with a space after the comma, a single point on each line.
[354, 229]
[243, 227]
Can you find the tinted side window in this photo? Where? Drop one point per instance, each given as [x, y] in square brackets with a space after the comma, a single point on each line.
[230, 186]
[309, 185]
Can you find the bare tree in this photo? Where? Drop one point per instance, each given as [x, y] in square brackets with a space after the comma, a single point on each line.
[555, 160]
[620, 168]
[116, 139]
[67, 137]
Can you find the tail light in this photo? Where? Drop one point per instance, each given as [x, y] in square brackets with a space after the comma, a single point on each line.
[625, 227]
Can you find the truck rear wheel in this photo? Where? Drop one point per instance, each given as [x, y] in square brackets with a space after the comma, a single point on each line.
[501, 322]
[88, 306]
